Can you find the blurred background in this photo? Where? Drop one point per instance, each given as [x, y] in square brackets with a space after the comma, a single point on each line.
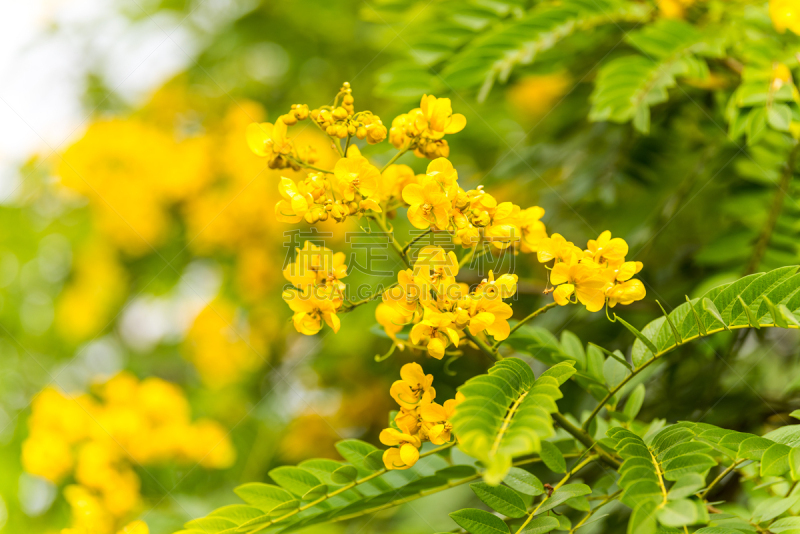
[140, 261]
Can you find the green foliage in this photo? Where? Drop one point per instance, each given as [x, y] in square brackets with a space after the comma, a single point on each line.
[506, 413]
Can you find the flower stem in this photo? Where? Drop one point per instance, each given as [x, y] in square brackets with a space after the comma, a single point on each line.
[349, 306]
[484, 346]
[394, 158]
[516, 327]
[384, 226]
[420, 236]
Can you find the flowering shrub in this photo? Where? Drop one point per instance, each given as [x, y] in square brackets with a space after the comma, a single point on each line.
[503, 417]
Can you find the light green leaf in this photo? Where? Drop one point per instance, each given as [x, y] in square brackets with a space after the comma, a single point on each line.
[524, 482]
[477, 521]
[500, 498]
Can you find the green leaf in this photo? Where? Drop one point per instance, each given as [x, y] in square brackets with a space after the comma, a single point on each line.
[500, 498]
[541, 525]
[297, 480]
[456, 472]
[355, 451]
[264, 496]
[775, 460]
[634, 402]
[479, 522]
[553, 458]
[344, 474]
[709, 306]
[679, 513]
[506, 413]
[779, 116]
[772, 507]
[524, 482]
[686, 486]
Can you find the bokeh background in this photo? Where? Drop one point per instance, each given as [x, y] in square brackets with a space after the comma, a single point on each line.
[137, 236]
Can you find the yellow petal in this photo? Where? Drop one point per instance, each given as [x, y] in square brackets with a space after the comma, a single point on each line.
[456, 124]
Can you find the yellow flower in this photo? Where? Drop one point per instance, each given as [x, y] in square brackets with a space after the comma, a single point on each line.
[390, 318]
[405, 451]
[502, 231]
[219, 329]
[607, 250]
[437, 418]
[558, 248]
[408, 420]
[404, 298]
[785, 14]
[673, 9]
[443, 173]
[626, 293]
[355, 175]
[311, 308]
[428, 204]
[490, 315]
[503, 288]
[414, 387]
[394, 179]
[532, 228]
[295, 203]
[435, 268]
[438, 118]
[534, 96]
[45, 454]
[583, 280]
[436, 332]
[270, 141]
[316, 265]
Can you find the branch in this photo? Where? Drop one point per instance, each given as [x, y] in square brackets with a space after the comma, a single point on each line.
[656, 357]
[395, 244]
[563, 481]
[584, 437]
[774, 212]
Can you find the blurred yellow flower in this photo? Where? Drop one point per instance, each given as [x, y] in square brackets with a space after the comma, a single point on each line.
[222, 347]
[97, 287]
[534, 96]
[99, 438]
[785, 14]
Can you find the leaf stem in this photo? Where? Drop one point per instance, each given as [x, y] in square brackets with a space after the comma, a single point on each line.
[720, 477]
[594, 510]
[613, 391]
[516, 327]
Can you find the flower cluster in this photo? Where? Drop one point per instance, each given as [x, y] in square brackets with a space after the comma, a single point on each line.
[318, 291]
[98, 439]
[419, 419]
[594, 276]
[423, 129]
[441, 310]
